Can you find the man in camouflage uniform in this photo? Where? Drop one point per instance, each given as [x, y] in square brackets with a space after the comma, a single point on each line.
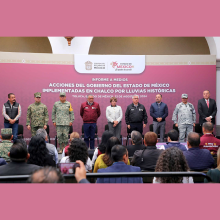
[62, 118]
[37, 113]
[5, 145]
[186, 117]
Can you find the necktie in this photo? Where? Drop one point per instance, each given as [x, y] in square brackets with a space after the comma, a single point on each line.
[208, 103]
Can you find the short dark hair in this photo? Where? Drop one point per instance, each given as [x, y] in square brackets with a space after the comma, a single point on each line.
[117, 152]
[194, 139]
[160, 95]
[136, 137]
[208, 126]
[6, 136]
[46, 175]
[18, 152]
[150, 138]
[173, 135]
[9, 95]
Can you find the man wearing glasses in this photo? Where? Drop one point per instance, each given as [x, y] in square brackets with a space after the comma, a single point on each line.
[37, 115]
[135, 115]
[90, 112]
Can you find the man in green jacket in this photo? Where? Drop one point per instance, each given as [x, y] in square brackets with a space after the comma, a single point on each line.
[62, 118]
[5, 145]
[37, 115]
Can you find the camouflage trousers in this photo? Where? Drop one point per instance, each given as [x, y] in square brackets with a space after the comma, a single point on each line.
[62, 134]
[34, 130]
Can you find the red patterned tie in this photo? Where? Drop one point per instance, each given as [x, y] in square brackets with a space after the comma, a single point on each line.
[208, 103]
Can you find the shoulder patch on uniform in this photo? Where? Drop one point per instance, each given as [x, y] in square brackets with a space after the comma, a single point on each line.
[70, 109]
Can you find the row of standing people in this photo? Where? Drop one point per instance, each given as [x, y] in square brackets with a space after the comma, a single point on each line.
[184, 116]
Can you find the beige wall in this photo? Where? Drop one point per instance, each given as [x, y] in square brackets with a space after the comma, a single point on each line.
[149, 45]
[25, 44]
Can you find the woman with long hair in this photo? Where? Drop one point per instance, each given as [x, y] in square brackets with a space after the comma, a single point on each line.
[78, 150]
[102, 147]
[172, 160]
[105, 160]
[39, 154]
[215, 173]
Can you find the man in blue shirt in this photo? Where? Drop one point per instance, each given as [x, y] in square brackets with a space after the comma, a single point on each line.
[119, 155]
[172, 138]
[159, 111]
[197, 159]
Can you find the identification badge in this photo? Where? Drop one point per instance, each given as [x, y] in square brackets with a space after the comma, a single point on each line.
[86, 107]
[141, 109]
[93, 107]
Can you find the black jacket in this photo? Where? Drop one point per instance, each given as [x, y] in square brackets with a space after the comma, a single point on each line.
[135, 115]
[17, 168]
[132, 148]
[204, 111]
[147, 158]
[11, 112]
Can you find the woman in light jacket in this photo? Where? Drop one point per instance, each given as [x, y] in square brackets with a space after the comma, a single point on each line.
[114, 116]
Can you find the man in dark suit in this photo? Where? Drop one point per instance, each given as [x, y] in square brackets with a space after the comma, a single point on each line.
[136, 139]
[197, 159]
[18, 166]
[119, 155]
[207, 108]
[147, 158]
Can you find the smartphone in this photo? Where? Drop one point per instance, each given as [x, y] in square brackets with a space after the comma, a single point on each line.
[68, 168]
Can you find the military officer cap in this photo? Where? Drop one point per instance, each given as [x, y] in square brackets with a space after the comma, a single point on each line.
[184, 96]
[62, 94]
[6, 131]
[37, 95]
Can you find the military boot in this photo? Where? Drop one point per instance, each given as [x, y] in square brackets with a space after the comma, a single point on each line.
[61, 148]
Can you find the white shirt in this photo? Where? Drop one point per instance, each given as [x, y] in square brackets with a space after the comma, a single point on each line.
[88, 164]
[114, 113]
[185, 180]
[95, 155]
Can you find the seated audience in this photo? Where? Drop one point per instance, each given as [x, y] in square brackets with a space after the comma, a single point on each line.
[119, 155]
[208, 140]
[136, 140]
[39, 154]
[72, 136]
[172, 160]
[5, 145]
[51, 148]
[78, 150]
[18, 155]
[215, 173]
[105, 160]
[146, 159]
[172, 139]
[197, 159]
[46, 175]
[102, 147]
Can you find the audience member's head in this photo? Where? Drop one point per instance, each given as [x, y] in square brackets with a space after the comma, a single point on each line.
[42, 133]
[78, 150]
[19, 152]
[173, 135]
[46, 175]
[207, 127]
[74, 135]
[193, 140]
[171, 160]
[6, 134]
[119, 153]
[136, 137]
[37, 150]
[112, 141]
[105, 136]
[150, 139]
